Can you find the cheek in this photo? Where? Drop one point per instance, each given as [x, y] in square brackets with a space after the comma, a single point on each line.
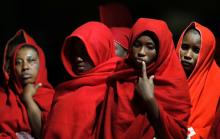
[134, 52]
[35, 69]
[18, 70]
[151, 55]
[89, 66]
[195, 58]
[181, 54]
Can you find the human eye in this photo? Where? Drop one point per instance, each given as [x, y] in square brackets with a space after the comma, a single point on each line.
[18, 62]
[184, 47]
[150, 46]
[196, 50]
[31, 60]
[136, 44]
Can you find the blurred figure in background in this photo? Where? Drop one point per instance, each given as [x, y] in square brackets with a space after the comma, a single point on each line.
[121, 40]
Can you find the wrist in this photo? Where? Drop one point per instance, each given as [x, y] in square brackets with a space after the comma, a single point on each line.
[151, 106]
[27, 99]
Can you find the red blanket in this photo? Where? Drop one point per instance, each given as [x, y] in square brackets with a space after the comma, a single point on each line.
[121, 36]
[203, 83]
[124, 115]
[14, 117]
[77, 102]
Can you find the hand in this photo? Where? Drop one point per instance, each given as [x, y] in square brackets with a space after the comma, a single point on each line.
[145, 85]
[29, 91]
[23, 135]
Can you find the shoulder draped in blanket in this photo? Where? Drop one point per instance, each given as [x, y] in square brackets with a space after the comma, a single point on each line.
[124, 115]
[14, 117]
[77, 102]
[203, 83]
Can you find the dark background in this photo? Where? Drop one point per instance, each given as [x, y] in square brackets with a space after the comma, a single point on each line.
[50, 21]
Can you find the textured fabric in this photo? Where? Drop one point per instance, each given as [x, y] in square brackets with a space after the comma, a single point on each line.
[115, 14]
[14, 117]
[123, 113]
[77, 102]
[121, 36]
[214, 132]
[203, 83]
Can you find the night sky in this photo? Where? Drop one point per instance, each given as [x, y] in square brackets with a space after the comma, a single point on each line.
[50, 21]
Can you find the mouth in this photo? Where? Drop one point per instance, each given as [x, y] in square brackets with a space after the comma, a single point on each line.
[26, 76]
[80, 67]
[186, 64]
[140, 60]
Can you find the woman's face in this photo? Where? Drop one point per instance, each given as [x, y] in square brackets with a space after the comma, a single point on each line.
[189, 50]
[27, 65]
[80, 59]
[143, 49]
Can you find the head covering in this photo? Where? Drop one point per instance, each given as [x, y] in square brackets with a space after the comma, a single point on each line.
[123, 114]
[98, 43]
[77, 102]
[203, 82]
[14, 117]
[20, 37]
[121, 36]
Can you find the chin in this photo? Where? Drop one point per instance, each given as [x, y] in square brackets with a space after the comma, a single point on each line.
[137, 65]
[27, 82]
[187, 71]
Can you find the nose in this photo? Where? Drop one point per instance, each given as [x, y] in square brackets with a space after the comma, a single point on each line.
[141, 52]
[188, 55]
[25, 66]
[79, 59]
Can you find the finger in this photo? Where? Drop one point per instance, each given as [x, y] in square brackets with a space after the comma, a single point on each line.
[151, 79]
[38, 85]
[144, 72]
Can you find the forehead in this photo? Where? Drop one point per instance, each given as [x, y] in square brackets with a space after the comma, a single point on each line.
[76, 45]
[149, 36]
[145, 38]
[192, 33]
[192, 37]
[27, 51]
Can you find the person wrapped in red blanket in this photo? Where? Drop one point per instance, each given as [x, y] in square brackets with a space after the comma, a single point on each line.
[88, 56]
[27, 96]
[147, 96]
[21, 36]
[196, 49]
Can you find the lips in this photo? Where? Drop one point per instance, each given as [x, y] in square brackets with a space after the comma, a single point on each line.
[26, 76]
[186, 64]
[80, 67]
[139, 60]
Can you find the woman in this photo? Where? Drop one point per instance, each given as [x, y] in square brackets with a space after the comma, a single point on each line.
[21, 36]
[196, 48]
[27, 99]
[147, 96]
[88, 56]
